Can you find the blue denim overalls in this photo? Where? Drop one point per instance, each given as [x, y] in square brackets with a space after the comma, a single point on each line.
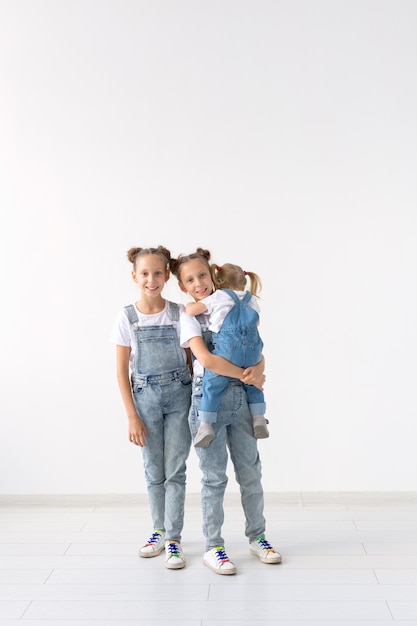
[237, 341]
[161, 386]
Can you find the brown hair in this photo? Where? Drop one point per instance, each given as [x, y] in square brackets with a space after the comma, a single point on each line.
[230, 276]
[133, 254]
[200, 253]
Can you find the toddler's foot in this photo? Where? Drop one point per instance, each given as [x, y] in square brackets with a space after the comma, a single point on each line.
[259, 427]
[204, 435]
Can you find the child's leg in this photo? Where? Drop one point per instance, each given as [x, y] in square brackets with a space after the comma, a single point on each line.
[257, 408]
[213, 388]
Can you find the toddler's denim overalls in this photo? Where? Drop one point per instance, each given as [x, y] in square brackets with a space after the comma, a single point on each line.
[237, 341]
[161, 386]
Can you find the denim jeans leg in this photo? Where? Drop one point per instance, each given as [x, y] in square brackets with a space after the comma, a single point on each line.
[213, 463]
[248, 469]
[177, 443]
[234, 429]
[165, 411]
[148, 407]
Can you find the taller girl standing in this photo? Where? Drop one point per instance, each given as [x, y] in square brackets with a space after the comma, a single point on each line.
[234, 429]
[155, 384]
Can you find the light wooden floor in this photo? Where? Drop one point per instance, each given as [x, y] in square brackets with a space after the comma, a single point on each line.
[348, 559]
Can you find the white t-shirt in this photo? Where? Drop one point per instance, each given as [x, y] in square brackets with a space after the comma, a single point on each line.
[191, 327]
[219, 304]
[122, 333]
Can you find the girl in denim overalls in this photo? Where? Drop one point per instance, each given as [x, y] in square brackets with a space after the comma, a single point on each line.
[233, 318]
[234, 428]
[154, 378]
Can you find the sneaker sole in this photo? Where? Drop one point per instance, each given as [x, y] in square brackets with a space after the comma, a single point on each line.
[222, 572]
[148, 555]
[204, 442]
[179, 565]
[276, 559]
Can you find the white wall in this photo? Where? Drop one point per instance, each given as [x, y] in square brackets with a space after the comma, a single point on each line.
[282, 136]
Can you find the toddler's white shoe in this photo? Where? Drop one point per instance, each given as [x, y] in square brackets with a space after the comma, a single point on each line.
[204, 435]
[260, 427]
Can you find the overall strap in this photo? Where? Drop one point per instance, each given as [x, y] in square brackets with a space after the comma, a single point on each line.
[232, 294]
[131, 313]
[173, 311]
[202, 319]
[207, 334]
[241, 314]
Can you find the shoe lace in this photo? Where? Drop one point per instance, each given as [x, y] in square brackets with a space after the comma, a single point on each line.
[173, 549]
[154, 538]
[221, 555]
[265, 545]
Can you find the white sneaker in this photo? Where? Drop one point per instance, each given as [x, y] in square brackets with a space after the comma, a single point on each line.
[218, 561]
[259, 427]
[204, 435]
[174, 556]
[154, 545]
[264, 551]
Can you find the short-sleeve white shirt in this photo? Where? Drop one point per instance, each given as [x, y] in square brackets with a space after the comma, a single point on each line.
[191, 327]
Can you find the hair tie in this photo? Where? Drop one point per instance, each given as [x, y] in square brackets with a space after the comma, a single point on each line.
[218, 268]
[245, 273]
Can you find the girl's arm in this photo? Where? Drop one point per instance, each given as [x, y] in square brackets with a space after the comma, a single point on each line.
[251, 376]
[195, 308]
[137, 428]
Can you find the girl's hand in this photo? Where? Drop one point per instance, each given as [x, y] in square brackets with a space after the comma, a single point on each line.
[137, 431]
[254, 375]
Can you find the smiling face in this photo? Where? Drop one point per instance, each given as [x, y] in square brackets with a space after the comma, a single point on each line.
[195, 279]
[150, 274]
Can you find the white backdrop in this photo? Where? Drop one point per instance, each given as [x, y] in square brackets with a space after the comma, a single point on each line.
[279, 134]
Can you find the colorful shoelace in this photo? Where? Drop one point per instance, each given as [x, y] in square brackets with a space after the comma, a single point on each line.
[265, 545]
[221, 555]
[154, 539]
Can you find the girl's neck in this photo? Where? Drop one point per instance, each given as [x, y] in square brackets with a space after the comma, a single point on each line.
[150, 306]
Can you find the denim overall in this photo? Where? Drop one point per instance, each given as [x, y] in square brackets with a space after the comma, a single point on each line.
[237, 341]
[234, 434]
[161, 390]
